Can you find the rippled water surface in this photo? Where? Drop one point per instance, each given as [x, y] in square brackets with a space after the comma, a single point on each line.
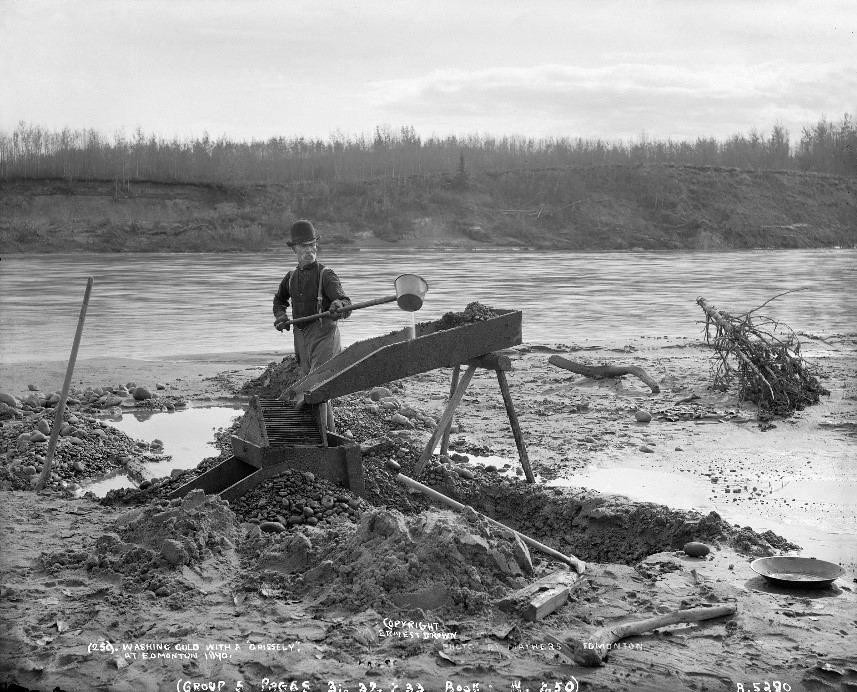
[170, 304]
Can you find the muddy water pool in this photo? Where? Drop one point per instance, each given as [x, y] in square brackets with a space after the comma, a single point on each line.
[188, 438]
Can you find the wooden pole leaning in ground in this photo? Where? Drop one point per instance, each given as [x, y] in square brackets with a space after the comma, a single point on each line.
[591, 652]
[445, 419]
[55, 428]
[577, 565]
[516, 427]
[444, 443]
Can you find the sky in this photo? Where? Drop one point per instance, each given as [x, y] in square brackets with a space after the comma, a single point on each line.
[655, 69]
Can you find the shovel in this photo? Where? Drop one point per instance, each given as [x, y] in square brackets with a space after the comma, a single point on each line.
[410, 291]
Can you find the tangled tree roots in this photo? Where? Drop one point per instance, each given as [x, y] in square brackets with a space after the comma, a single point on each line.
[764, 356]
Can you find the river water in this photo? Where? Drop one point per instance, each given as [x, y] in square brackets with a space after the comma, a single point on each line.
[154, 305]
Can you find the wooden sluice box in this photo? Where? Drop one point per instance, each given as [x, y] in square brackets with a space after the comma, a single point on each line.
[275, 436]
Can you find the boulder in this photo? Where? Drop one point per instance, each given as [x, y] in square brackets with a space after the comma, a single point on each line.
[695, 549]
[272, 527]
[32, 388]
[643, 416]
[399, 419]
[38, 436]
[8, 399]
[141, 394]
[160, 385]
[379, 393]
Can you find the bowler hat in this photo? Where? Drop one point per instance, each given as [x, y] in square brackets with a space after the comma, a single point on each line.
[302, 232]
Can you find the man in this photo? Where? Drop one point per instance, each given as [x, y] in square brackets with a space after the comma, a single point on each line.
[312, 288]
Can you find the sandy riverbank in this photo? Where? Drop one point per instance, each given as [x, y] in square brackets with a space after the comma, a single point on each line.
[573, 427]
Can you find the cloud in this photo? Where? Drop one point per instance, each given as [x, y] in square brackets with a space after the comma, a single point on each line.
[624, 99]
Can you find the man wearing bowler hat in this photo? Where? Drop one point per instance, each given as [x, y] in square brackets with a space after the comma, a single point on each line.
[311, 288]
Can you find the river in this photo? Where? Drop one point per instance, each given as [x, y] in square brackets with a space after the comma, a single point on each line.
[154, 305]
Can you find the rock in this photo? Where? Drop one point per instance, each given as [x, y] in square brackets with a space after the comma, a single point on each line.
[32, 388]
[160, 385]
[38, 436]
[643, 416]
[506, 564]
[380, 393]
[522, 554]
[393, 465]
[679, 449]
[8, 399]
[174, 553]
[647, 449]
[112, 400]
[131, 386]
[78, 466]
[272, 527]
[53, 399]
[399, 419]
[695, 549]
[141, 394]
[75, 441]
[28, 470]
[32, 401]
[589, 439]
[193, 499]
[145, 485]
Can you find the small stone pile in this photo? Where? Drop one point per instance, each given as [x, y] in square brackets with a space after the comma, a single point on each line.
[434, 560]
[296, 498]
[86, 448]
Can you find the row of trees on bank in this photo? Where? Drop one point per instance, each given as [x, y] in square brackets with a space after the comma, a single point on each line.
[34, 151]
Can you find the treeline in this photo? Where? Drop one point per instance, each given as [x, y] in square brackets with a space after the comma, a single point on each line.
[33, 151]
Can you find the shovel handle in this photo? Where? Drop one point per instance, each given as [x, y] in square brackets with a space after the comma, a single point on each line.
[353, 306]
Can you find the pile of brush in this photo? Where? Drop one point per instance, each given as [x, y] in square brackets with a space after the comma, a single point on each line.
[763, 355]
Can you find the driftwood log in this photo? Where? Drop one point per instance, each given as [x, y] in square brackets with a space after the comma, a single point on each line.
[592, 651]
[599, 371]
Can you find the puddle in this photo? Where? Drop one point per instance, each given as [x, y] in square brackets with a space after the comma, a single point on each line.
[188, 438]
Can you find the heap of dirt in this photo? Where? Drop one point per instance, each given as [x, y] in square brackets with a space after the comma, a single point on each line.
[276, 379]
[167, 548]
[473, 312]
[436, 560]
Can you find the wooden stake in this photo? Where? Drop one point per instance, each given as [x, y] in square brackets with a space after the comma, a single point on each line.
[446, 419]
[516, 428]
[444, 444]
[55, 428]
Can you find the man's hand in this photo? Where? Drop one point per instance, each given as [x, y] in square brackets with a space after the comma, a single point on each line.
[339, 310]
[279, 326]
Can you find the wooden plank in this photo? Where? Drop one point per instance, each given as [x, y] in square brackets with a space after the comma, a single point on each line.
[545, 603]
[394, 357]
[444, 443]
[542, 597]
[516, 427]
[445, 419]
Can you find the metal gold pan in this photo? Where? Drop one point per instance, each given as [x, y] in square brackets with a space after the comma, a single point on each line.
[802, 572]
